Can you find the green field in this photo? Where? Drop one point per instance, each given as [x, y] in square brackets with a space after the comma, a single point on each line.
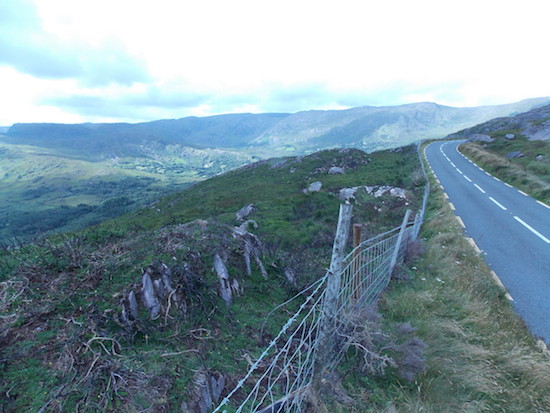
[45, 190]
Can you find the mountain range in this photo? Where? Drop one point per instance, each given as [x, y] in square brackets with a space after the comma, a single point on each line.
[367, 127]
[59, 177]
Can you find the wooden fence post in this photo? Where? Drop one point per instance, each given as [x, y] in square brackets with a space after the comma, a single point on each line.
[326, 337]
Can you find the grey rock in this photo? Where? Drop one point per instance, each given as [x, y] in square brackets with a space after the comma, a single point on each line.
[515, 155]
[166, 278]
[149, 296]
[347, 193]
[159, 288]
[510, 136]
[540, 157]
[480, 138]
[132, 303]
[335, 170]
[290, 276]
[315, 186]
[217, 383]
[245, 211]
[223, 276]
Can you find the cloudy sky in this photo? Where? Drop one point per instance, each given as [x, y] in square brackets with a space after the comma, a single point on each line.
[138, 60]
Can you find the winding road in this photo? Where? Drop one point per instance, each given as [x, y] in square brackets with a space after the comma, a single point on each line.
[510, 228]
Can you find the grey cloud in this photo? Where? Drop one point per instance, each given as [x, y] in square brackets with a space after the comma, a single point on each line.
[129, 105]
[24, 46]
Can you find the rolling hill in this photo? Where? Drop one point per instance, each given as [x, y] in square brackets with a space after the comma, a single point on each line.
[62, 177]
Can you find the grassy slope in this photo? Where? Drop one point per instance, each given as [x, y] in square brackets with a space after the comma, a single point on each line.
[526, 173]
[61, 345]
[45, 190]
[480, 356]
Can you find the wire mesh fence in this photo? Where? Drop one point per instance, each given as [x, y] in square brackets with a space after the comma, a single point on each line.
[281, 378]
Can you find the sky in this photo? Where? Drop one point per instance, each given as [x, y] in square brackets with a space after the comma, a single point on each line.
[72, 61]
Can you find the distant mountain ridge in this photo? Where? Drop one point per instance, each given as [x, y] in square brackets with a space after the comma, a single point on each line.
[533, 124]
[367, 127]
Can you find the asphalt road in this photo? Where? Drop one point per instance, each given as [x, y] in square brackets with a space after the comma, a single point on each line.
[511, 229]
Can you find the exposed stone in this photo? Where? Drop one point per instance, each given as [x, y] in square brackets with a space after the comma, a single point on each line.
[149, 297]
[245, 211]
[510, 136]
[223, 276]
[480, 138]
[290, 276]
[515, 155]
[252, 247]
[207, 389]
[159, 288]
[132, 304]
[347, 194]
[540, 157]
[314, 187]
[336, 170]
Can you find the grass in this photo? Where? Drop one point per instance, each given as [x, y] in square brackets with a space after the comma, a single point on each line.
[63, 349]
[480, 355]
[526, 173]
[47, 190]
[63, 346]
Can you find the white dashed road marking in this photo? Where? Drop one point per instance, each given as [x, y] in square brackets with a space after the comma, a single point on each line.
[480, 188]
[498, 203]
[533, 230]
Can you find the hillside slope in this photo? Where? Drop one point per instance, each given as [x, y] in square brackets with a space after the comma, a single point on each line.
[78, 334]
[533, 124]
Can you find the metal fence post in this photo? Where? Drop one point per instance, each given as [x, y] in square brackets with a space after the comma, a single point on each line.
[330, 304]
[357, 236]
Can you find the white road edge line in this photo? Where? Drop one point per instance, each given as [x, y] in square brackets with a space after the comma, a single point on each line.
[480, 188]
[533, 230]
[459, 171]
[498, 204]
[468, 179]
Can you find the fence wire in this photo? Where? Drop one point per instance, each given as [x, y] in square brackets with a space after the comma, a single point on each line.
[280, 378]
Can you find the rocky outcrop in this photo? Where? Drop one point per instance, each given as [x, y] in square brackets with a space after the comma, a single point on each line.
[515, 155]
[533, 124]
[163, 290]
[206, 392]
[347, 194]
[336, 170]
[245, 212]
[477, 137]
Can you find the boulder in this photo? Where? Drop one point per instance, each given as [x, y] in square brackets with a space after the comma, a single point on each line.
[515, 155]
[314, 187]
[510, 136]
[480, 138]
[540, 157]
[336, 170]
[347, 193]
